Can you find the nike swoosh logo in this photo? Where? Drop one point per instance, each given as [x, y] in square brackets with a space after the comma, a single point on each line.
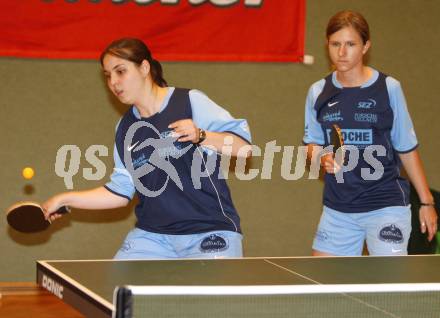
[332, 104]
[129, 148]
[395, 251]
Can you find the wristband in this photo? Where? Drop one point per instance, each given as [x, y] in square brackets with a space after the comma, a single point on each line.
[427, 204]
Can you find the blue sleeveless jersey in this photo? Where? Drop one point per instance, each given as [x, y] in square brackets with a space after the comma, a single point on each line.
[366, 118]
[176, 206]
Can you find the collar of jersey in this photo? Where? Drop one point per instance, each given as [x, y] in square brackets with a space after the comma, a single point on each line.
[368, 83]
[162, 107]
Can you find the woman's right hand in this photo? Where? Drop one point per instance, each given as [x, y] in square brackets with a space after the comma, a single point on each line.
[52, 205]
[329, 164]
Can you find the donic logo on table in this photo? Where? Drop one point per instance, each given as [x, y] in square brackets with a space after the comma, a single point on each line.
[391, 233]
[213, 243]
[366, 104]
[52, 286]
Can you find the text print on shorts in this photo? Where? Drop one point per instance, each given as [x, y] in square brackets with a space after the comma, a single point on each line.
[321, 235]
[126, 246]
[391, 233]
[214, 243]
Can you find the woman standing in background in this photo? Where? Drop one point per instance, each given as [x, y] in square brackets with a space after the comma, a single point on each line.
[371, 110]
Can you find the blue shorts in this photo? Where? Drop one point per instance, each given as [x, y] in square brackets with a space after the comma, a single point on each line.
[140, 244]
[386, 232]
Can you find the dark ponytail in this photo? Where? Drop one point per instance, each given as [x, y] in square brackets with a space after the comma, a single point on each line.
[136, 51]
[157, 73]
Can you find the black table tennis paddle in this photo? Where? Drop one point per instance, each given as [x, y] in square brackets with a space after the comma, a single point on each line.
[28, 217]
[337, 141]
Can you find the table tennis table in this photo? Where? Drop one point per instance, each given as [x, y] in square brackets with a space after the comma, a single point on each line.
[398, 286]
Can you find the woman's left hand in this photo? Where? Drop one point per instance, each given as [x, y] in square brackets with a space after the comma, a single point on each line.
[186, 130]
[428, 220]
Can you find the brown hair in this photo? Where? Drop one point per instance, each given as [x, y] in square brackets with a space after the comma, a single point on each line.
[349, 18]
[136, 51]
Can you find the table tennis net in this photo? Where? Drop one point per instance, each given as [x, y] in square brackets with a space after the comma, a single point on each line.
[138, 301]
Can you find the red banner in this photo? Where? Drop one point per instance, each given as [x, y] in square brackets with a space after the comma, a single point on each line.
[175, 30]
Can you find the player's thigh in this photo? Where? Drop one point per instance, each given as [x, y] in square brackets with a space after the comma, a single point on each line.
[388, 231]
[140, 244]
[338, 234]
[217, 244]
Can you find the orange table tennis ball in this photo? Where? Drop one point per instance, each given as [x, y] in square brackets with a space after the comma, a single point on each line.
[28, 173]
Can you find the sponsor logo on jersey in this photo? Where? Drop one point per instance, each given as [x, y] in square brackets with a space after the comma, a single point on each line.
[131, 147]
[331, 117]
[156, 155]
[355, 136]
[366, 104]
[140, 161]
[175, 149]
[332, 104]
[365, 117]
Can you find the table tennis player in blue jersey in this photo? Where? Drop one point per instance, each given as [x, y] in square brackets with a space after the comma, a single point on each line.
[167, 152]
[370, 203]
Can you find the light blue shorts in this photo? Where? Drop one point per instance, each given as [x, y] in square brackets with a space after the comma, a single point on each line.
[386, 232]
[140, 244]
